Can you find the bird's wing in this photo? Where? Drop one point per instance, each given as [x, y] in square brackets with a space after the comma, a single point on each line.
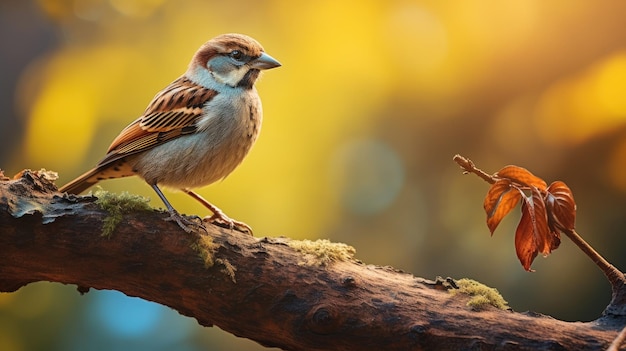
[173, 112]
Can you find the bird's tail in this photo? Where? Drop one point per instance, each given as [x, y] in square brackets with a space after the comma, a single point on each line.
[82, 183]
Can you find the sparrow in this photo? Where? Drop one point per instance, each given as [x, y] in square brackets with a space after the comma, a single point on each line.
[194, 132]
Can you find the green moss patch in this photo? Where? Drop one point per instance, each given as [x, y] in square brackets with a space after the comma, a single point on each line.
[117, 205]
[205, 247]
[480, 294]
[322, 252]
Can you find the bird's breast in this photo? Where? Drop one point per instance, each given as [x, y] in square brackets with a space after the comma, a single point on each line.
[225, 134]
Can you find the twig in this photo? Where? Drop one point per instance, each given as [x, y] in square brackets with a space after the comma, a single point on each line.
[468, 167]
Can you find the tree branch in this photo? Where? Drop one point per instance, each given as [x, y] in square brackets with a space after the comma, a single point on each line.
[276, 291]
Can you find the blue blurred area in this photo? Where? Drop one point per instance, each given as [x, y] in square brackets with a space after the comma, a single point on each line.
[114, 321]
[123, 316]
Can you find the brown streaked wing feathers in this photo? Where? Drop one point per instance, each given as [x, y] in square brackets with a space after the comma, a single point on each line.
[170, 114]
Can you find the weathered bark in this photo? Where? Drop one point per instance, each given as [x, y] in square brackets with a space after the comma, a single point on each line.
[258, 288]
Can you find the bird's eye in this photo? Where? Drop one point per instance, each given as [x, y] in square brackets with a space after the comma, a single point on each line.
[236, 54]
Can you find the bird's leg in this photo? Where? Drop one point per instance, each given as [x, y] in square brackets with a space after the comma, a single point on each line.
[218, 217]
[187, 225]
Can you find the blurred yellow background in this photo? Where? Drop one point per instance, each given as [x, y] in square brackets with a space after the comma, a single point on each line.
[361, 123]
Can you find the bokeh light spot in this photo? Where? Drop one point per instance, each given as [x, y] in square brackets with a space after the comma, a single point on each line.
[125, 316]
[610, 85]
[368, 175]
[590, 103]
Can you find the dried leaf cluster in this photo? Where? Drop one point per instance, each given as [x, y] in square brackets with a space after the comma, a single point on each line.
[546, 211]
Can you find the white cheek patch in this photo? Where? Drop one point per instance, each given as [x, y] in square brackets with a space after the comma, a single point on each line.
[216, 80]
[231, 77]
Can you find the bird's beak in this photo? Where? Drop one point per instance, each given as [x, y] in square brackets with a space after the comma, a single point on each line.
[264, 61]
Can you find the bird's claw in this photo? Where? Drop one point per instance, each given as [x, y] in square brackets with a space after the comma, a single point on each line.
[188, 225]
[221, 220]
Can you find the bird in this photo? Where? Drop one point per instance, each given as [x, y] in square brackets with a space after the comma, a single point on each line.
[195, 131]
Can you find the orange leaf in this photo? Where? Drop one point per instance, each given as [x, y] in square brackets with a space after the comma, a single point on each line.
[533, 235]
[524, 244]
[561, 207]
[500, 200]
[521, 176]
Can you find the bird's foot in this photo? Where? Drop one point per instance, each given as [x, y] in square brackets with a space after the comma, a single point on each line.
[189, 224]
[221, 220]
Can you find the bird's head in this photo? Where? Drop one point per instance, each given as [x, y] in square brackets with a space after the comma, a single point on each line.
[230, 59]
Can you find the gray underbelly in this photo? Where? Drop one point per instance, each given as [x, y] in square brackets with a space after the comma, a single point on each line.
[189, 161]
